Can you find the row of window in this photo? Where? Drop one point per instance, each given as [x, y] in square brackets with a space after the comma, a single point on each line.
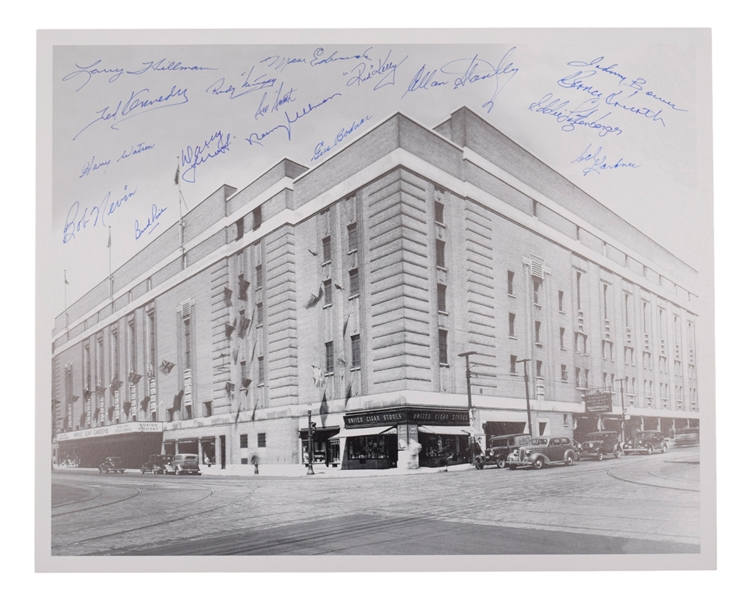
[260, 439]
[354, 341]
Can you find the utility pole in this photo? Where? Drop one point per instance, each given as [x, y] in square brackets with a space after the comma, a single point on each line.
[526, 391]
[310, 443]
[623, 411]
[466, 356]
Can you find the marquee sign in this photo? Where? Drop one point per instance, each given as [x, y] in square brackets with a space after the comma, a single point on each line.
[417, 416]
[121, 428]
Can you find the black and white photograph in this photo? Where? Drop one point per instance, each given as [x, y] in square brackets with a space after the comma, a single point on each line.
[356, 297]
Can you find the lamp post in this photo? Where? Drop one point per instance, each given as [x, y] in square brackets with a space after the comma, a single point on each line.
[310, 442]
[526, 391]
[623, 411]
[466, 356]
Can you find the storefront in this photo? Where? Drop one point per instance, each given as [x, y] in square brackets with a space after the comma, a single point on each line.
[387, 438]
[133, 442]
[325, 446]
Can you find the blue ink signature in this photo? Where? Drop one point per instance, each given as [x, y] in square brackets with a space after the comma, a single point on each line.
[470, 71]
[575, 117]
[193, 156]
[333, 57]
[321, 148]
[137, 104]
[612, 100]
[279, 100]
[364, 72]
[248, 86]
[98, 213]
[151, 222]
[88, 71]
[278, 63]
[637, 84]
[599, 163]
[92, 165]
[256, 138]
[142, 147]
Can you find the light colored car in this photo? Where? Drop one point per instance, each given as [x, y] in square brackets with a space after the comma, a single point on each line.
[646, 441]
[687, 437]
[183, 464]
[543, 451]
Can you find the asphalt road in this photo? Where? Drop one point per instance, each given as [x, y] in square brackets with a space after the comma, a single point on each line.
[630, 505]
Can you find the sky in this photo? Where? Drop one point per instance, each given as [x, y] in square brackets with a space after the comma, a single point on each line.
[617, 114]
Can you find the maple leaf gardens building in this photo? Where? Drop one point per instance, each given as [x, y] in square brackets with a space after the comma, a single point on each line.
[350, 289]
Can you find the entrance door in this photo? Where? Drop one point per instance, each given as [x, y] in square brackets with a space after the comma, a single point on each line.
[223, 442]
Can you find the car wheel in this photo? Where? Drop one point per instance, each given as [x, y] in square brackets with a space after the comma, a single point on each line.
[664, 448]
[617, 452]
[569, 460]
[650, 449]
[500, 463]
[539, 463]
[599, 456]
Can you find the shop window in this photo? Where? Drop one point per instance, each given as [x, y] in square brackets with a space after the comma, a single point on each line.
[368, 447]
[327, 249]
[352, 237]
[440, 254]
[261, 440]
[443, 347]
[355, 351]
[243, 440]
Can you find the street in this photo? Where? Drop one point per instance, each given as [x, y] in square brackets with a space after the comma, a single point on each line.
[629, 505]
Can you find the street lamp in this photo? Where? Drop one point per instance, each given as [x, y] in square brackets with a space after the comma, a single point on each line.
[526, 391]
[623, 411]
[311, 429]
[466, 356]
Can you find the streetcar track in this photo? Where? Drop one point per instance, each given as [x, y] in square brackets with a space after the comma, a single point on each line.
[89, 499]
[654, 485]
[70, 512]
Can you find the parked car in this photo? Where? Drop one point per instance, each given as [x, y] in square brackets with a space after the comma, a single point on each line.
[646, 441]
[156, 464]
[543, 451]
[500, 446]
[687, 437]
[599, 443]
[183, 464]
[112, 464]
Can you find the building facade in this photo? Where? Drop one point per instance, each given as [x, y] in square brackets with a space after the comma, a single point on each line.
[345, 293]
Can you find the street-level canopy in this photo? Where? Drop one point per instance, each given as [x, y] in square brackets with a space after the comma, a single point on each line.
[347, 433]
[447, 430]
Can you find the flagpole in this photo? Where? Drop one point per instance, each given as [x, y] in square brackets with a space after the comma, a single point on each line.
[65, 296]
[180, 211]
[109, 249]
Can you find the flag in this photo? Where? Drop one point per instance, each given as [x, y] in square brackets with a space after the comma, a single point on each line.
[237, 415]
[318, 380]
[348, 394]
[177, 175]
[324, 409]
[344, 329]
[65, 276]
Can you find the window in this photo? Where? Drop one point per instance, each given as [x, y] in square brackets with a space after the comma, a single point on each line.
[578, 373]
[511, 325]
[256, 217]
[243, 440]
[240, 228]
[188, 411]
[538, 325]
[564, 373]
[352, 237]
[440, 253]
[443, 346]
[647, 360]
[259, 277]
[605, 301]
[627, 309]
[581, 343]
[354, 283]
[560, 301]
[578, 289]
[327, 249]
[207, 409]
[188, 342]
[100, 359]
[512, 365]
[510, 283]
[115, 353]
[329, 358]
[132, 343]
[259, 313]
[534, 208]
[645, 316]
[442, 298]
[327, 293]
[438, 212]
[536, 285]
[87, 366]
[586, 378]
[152, 339]
[562, 331]
[261, 371]
[243, 370]
[355, 339]
[538, 368]
[261, 440]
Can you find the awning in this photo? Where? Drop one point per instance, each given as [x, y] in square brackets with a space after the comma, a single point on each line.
[348, 433]
[446, 430]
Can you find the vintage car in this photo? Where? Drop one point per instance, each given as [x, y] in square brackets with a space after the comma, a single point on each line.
[646, 441]
[500, 446]
[687, 437]
[156, 464]
[112, 464]
[183, 464]
[599, 443]
[542, 451]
